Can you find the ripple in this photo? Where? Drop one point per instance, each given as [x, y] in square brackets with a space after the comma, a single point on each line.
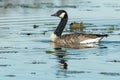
[76, 58]
[36, 62]
[115, 61]
[8, 52]
[4, 65]
[45, 41]
[10, 75]
[110, 73]
[77, 72]
[3, 58]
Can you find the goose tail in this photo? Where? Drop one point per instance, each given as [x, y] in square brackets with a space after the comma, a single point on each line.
[102, 35]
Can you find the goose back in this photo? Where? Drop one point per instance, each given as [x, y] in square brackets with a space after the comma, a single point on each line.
[74, 38]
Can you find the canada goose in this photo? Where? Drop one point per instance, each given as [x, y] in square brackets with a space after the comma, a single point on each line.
[77, 38]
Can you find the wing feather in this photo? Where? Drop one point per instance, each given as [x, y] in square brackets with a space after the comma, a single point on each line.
[74, 38]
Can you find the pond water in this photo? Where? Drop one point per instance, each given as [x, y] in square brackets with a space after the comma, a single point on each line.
[24, 48]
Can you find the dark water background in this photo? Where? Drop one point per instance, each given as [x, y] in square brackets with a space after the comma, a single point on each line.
[23, 48]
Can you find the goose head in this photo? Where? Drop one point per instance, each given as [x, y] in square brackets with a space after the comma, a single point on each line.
[60, 13]
[64, 18]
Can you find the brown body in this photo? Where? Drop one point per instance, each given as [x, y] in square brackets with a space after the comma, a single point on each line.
[71, 39]
[75, 38]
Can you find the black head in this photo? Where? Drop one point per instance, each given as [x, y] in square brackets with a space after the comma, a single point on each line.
[60, 14]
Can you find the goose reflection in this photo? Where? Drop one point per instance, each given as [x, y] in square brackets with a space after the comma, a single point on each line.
[63, 65]
[61, 57]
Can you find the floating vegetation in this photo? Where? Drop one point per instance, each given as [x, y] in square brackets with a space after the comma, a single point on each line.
[110, 73]
[35, 6]
[76, 26]
[49, 52]
[10, 5]
[35, 26]
[111, 29]
[44, 32]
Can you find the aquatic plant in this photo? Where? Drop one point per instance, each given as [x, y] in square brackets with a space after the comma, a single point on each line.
[111, 29]
[35, 6]
[9, 5]
[76, 26]
[49, 51]
[35, 26]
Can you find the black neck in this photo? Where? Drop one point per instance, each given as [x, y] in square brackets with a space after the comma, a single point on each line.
[61, 26]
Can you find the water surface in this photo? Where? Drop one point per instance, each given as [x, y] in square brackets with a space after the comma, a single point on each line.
[23, 48]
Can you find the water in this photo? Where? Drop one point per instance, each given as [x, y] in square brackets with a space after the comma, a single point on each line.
[23, 48]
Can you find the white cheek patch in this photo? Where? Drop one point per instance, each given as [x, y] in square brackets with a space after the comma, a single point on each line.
[62, 15]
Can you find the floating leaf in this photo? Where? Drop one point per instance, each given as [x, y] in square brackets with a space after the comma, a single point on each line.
[49, 52]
